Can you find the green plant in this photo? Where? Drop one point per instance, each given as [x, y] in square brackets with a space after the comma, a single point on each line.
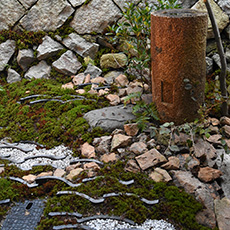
[144, 112]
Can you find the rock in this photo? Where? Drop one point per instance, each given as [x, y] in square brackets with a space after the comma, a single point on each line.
[2, 169]
[122, 80]
[225, 120]
[113, 99]
[93, 71]
[113, 60]
[206, 218]
[100, 13]
[221, 17]
[138, 148]
[48, 48]
[208, 174]
[88, 150]
[50, 173]
[109, 118]
[187, 3]
[134, 87]
[112, 157]
[6, 51]
[204, 150]
[172, 164]
[225, 6]
[150, 159]
[11, 12]
[226, 130]
[98, 80]
[27, 3]
[91, 165]
[79, 45]
[222, 210]
[12, 76]
[132, 166]
[131, 129]
[41, 70]
[68, 86]
[67, 64]
[160, 175]
[216, 59]
[111, 76]
[29, 178]
[120, 140]
[215, 139]
[47, 15]
[72, 166]
[104, 144]
[214, 121]
[227, 32]
[75, 3]
[25, 58]
[78, 79]
[227, 55]
[74, 173]
[209, 65]
[59, 172]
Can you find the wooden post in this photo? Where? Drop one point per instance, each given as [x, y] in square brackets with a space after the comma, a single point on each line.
[178, 50]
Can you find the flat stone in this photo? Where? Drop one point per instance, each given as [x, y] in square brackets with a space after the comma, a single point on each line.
[79, 45]
[74, 173]
[59, 172]
[100, 13]
[113, 99]
[93, 71]
[104, 144]
[98, 80]
[132, 166]
[204, 150]
[225, 120]
[41, 70]
[120, 140]
[138, 148]
[222, 210]
[6, 51]
[173, 163]
[112, 157]
[131, 129]
[121, 80]
[43, 174]
[48, 48]
[7, 18]
[67, 64]
[226, 129]
[159, 175]
[29, 178]
[208, 174]
[47, 15]
[150, 159]
[221, 17]
[91, 165]
[113, 60]
[25, 58]
[110, 118]
[12, 76]
[215, 139]
[88, 150]
[111, 76]
[68, 85]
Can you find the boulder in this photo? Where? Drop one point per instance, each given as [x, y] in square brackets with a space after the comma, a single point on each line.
[67, 64]
[221, 17]
[113, 60]
[11, 12]
[48, 48]
[109, 118]
[47, 15]
[6, 51]
[25, 58]
[12, 76]
[41, 70]
[79, 45]
[100, 13]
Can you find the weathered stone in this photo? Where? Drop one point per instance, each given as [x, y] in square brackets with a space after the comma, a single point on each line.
[131, 129]
[25, 58]
[78, 79]
[213, 121]
[122, 80]
[11, 12]
[209, 65]
[225, 121]
[75, 3]
[68, 85]
[112, 157]
[206, 218]
[225, 6]
[132, 166]
[47, 15]
[29, 178]
[222, 210]
[138, 148]
[100, 13]
[50, 173]
[12, 76]
[134, 88]
[113, 60]
[208, 174]
[204, 150]
[173, 163]
[98, 80]
[41, 70]
[48, 48]
[113, 99]
[72, 166]
[6, 51]
[159, 175]
[216, 59]
[88, 150]
[27, 3]
[215, 139]
[104, 144]
[111, 76]
[120, 140]
[150, 159]
[59, 172]
[109, 118]
[226, 129]
[74, 173]
[79, 45]
[93, 71]
[67, 64]
[221, 17]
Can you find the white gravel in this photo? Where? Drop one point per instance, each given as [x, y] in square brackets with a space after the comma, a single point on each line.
[101, 224]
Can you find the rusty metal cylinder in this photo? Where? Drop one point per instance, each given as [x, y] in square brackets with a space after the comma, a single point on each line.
[178, 49]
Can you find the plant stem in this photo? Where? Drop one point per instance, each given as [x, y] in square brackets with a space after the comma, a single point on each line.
[220, 48]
